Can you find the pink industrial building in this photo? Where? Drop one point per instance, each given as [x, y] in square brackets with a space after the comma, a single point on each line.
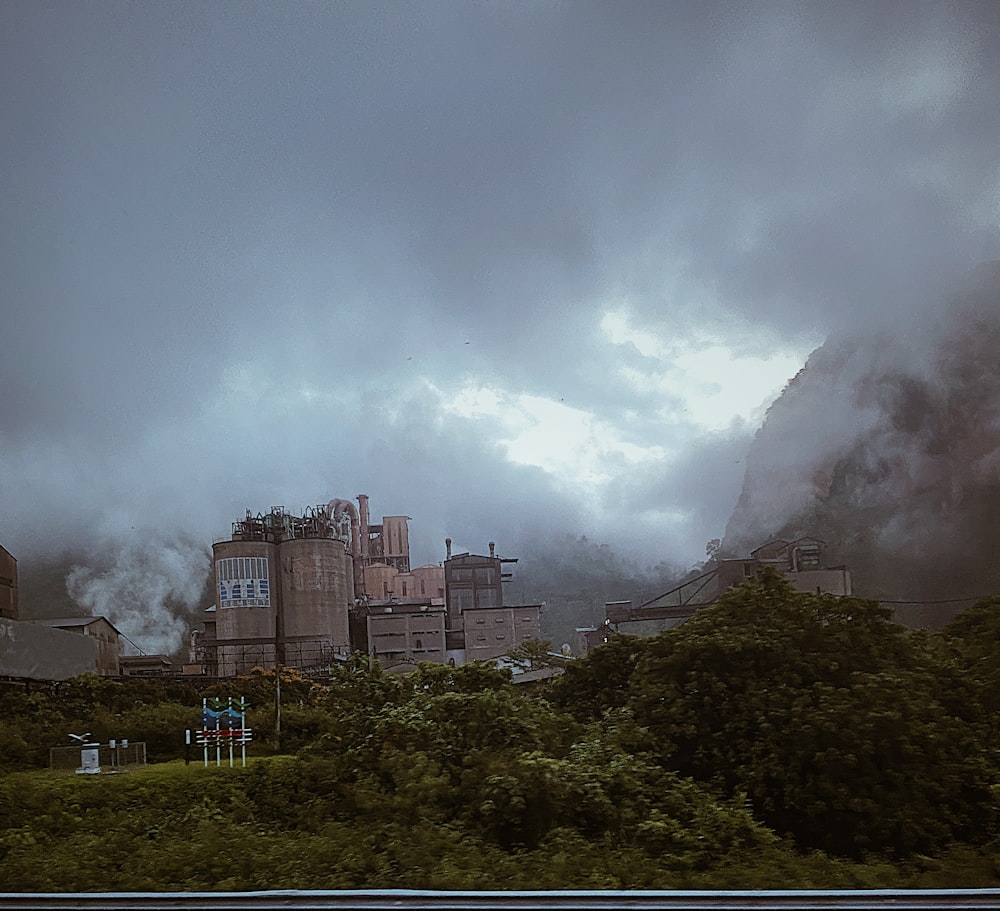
[306, 590]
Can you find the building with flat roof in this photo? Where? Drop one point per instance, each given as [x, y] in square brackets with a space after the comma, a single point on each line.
[102, 631]
[480, 626]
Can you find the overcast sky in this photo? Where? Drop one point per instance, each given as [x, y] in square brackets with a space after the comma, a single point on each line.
[512, 269]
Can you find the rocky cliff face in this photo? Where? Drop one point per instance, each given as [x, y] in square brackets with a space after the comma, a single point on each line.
[887, 446]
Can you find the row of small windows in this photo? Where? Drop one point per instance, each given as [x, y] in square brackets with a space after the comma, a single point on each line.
[481, 575]
[241, 568]
[464, 599]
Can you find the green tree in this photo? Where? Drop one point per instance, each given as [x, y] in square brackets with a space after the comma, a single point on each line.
[843, 728]
[534, 653]
[592, 685]
[974, 636]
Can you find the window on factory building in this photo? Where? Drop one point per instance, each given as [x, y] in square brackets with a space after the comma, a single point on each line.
[487, 597]
[484, 575]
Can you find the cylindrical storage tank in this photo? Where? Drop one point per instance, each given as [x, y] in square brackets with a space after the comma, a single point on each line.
[317, 591]
[246, 601]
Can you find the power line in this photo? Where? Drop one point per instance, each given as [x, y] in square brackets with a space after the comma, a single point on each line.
[939, 601]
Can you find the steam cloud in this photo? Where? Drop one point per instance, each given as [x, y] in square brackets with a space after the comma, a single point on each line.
[149, 592]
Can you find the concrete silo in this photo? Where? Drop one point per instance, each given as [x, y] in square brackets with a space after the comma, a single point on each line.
[317, 592]
[284, 587]
[246, 604]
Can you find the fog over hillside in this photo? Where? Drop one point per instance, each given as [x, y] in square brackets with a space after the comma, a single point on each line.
[887, 445]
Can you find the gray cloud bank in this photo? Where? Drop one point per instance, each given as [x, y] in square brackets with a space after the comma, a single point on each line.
[241, 246]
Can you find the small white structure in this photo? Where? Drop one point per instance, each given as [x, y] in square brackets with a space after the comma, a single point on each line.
[90, 755]
[90, 762]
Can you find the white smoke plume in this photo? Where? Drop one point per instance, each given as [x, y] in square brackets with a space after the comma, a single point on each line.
[149, 588]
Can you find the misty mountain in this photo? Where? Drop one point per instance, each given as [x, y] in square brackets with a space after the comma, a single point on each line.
[575, 577]
[887, 446]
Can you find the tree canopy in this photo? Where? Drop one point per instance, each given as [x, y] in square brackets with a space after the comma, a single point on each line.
[841, 727]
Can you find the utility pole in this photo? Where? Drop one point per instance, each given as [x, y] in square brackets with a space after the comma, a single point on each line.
[277, 705]
[279, 662]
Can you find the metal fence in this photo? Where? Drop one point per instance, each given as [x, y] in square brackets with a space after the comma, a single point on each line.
[899, 900]
[117, 758]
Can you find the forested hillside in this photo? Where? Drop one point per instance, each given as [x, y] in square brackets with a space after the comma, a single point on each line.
[776, 740]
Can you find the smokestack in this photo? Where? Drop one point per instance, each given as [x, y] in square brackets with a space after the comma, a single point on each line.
[447, 548]
[492, 548]
[363, 511]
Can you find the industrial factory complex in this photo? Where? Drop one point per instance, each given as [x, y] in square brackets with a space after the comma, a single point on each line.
[305, 590]
[308, 590]
[299, 591]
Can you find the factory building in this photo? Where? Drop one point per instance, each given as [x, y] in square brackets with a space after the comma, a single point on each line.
[480, 626]
[386, 544]
[401, 634]
[8, 585]
[801, 562]
[107, 639]
[306, 590]
[465, 620]
[297, 590]
[51, 649]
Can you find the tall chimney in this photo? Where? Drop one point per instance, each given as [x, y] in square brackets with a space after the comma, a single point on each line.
[492, 548]
[447, 548]
[363, 516]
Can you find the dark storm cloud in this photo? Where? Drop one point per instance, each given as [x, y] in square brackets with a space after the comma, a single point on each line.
[239, 241]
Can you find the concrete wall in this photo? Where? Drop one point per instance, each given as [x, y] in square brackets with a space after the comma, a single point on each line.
[492, 632]
[109, 648]
[383, 581]
[413, 635]
[42, 653]
[428, 582]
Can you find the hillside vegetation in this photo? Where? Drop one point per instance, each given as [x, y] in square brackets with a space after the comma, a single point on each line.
[776, 740]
